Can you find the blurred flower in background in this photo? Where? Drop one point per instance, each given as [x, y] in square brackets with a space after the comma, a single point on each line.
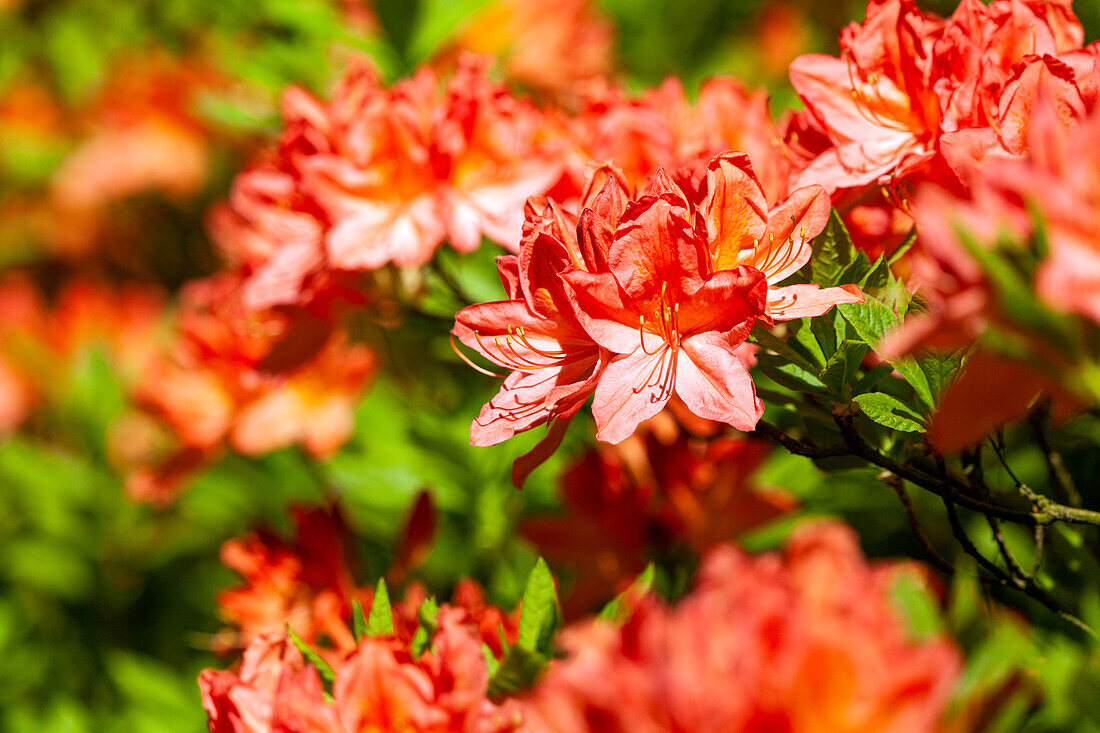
[235, 439]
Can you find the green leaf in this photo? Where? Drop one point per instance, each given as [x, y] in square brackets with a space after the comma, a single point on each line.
[871, 379]
[380, 621]
[312, 657]
[871, 319]
[807, 340]
[833, 252]
[491, 662]
[616, 608]
[790, 375]
[940, 370]
[877, 277]
[856, 272]
[541, 615]
[768, 340]
[426, 628]
[843, 365]
[914, 375]
[358, 623]
[889, 411]
[902, 248]
[519, 669]
[919, 609]
[828, 331]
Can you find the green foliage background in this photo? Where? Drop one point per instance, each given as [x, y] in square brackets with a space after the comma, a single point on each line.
[107, 608]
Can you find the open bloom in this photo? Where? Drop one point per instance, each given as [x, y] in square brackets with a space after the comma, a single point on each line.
[683, 285]
[256, 381]
[873, 103]
[379, 685]
[379, 175]
[653, 297]
[537, 335]
[909, 88]
[674, 325]
[804, 641]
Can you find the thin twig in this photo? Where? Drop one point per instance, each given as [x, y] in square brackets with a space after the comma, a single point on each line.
[1024, 585]
[898, 485]
[1056, 467]
[1040, 543]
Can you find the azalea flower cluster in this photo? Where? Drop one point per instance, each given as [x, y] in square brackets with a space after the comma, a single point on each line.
[912, 92]
[915, 98]
[383, 681]
[655, 492]
[643, 296]
[253, 380]
[381, 685]
[806, 640]
[308, 584]
[385, 175]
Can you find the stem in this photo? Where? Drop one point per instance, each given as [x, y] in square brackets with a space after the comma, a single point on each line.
[956, 491]
[1059, 474]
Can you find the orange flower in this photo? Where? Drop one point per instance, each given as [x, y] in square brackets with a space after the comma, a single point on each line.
[306, 584]
[379, 686]
[255, 381]
[803, 641]
[662, 129]
[381, 175]
[626, 502]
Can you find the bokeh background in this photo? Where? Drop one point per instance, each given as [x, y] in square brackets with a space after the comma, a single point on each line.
[108, 606]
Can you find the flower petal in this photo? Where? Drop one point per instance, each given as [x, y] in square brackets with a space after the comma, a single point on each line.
[634, 387]
[598, 304]
[508, 334]
[713, 382]
[734, 209]
[791, 226]
[801, 301]
[726, 301]
[655, 244]
[524, 400]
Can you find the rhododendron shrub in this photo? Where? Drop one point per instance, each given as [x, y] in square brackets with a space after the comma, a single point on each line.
[294, 295]
[804, 641]
[771, 633]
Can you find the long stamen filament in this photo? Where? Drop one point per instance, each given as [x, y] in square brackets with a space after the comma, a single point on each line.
[865, 105]
[454, 347]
